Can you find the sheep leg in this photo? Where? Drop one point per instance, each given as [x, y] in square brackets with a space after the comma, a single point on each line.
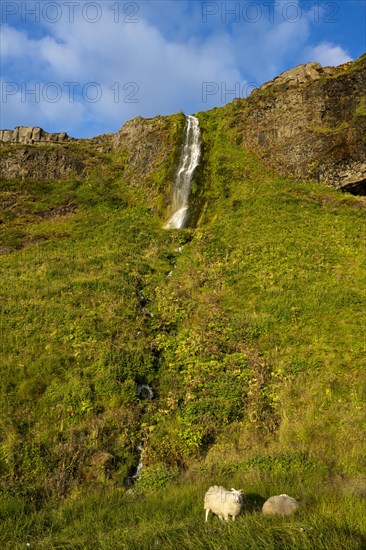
[207, 512]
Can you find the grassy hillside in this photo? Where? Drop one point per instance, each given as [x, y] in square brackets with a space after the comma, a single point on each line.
[250, 336]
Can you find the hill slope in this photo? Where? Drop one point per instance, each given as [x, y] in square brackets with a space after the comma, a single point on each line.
[247, 327]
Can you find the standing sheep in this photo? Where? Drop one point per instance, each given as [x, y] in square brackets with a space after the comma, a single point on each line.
[223, 502]
[280, 504]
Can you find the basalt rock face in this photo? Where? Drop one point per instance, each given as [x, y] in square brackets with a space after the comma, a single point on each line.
[310, 123]
[146, 144]
[24, 162]
[31, 153]
[28, 152]
[30, 134]
[143, 141]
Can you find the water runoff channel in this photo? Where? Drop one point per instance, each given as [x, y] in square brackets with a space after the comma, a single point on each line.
[189, 161]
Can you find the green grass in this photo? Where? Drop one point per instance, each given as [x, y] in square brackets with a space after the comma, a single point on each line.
[173, 517]
[360, 112]
[253, 346]
[358, 64]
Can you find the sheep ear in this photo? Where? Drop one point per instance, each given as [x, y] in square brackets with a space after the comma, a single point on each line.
[232, 489]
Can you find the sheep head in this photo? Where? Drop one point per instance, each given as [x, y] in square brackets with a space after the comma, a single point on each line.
[237, 494]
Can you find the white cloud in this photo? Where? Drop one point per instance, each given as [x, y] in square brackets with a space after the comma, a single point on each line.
[153, 75]
[21, 107]
[64, 59]
[167, 55]
[327, 54]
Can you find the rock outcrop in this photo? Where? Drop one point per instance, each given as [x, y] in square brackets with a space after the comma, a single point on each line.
[41, 164]
[28, 152]
[30, 134]
[310, 122]
[147, 144]
[144, 147]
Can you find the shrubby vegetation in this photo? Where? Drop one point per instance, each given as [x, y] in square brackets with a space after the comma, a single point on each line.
[253, 348]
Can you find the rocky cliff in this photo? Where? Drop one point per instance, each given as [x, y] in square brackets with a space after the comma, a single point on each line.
[31, 134]
[32, 153]
[147, 144]
[41, 164]
[310, 123]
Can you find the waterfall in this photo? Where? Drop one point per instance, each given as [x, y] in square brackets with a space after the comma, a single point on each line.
[145, 392]
[139, 467]
[182, 185]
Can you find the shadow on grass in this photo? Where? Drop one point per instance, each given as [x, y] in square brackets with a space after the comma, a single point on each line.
[252, 502]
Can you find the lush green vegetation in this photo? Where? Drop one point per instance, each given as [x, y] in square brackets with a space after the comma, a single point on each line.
[173, 517]
[361, 109]
[253, 348]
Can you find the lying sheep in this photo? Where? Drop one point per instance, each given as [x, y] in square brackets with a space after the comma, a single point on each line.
[223, 502]
[280, 504]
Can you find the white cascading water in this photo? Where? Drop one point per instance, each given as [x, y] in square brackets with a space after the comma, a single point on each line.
[145, 392]
[182, 187]
[139, 467]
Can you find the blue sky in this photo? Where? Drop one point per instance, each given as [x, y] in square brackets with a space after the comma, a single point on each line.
[86, 67]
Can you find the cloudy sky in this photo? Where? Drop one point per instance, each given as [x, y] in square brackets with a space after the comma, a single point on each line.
[86, 67]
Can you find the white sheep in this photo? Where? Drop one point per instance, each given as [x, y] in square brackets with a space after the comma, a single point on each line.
[223, 502]
[280, 504]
